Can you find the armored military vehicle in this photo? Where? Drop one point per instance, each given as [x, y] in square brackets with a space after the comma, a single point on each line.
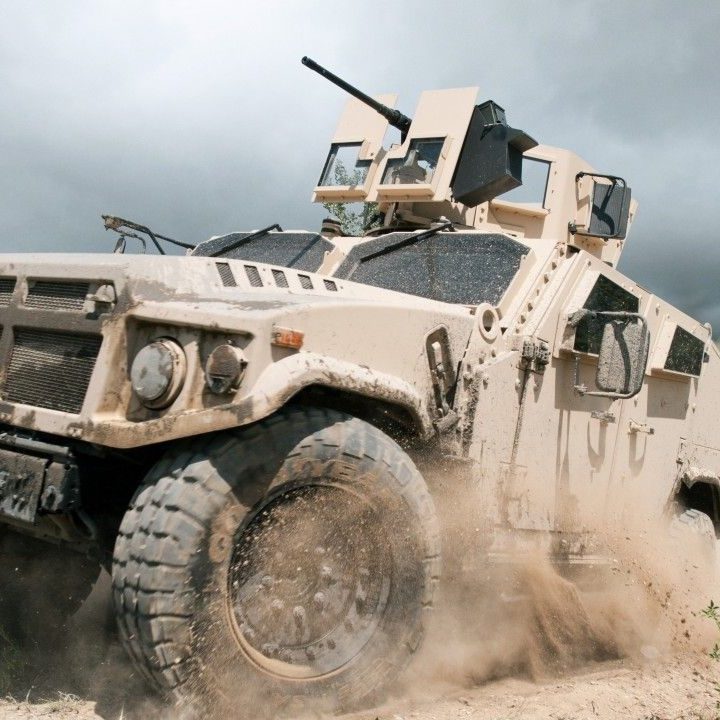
[236, 433]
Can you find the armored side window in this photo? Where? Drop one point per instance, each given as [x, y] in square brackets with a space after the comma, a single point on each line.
[605, 295]
[535, 174]
[418, 166]
[685, 354]
[343, 166]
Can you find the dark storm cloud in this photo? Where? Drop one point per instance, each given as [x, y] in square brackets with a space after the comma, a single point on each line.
[201, 120]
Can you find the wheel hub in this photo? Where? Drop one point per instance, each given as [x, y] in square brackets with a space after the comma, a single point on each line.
[309, 580]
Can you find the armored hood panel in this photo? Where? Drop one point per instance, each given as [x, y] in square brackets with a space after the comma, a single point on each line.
[452, 267]
[299, 250]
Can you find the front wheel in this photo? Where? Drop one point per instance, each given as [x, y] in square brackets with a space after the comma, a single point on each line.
[293, 557]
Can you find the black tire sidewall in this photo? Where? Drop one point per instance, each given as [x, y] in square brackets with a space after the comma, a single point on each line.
[386, 479]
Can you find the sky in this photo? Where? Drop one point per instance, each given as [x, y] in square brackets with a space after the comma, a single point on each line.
[198, 119]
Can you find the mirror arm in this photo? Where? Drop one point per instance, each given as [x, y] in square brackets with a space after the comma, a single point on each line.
[580, 388]
[579, 315]
[584, 392]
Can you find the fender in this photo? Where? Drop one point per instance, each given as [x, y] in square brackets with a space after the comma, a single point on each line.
[693, 475]
[698, 464]
[277, 384]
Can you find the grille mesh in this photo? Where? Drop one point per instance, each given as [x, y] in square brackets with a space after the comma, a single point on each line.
[280, 279]
[56, 295]
[51, 369]
[330, 285]
[226, 274]
[7, 285]
[253, 275]
[305, 282]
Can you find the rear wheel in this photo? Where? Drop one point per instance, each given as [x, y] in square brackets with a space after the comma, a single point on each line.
[694, 532]
[294, 557]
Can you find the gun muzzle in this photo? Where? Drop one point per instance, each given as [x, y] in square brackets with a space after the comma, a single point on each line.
[394, 117]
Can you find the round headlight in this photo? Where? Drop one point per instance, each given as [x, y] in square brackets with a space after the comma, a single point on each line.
[158, 373]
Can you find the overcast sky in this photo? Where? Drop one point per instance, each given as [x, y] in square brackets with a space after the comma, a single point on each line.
[198, 119]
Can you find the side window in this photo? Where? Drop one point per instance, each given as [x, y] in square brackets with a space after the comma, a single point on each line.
[605, 295]
[685, 354]
[535, 174]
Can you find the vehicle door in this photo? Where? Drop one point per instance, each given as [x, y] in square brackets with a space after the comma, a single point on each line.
[587, 425]
[659, 426]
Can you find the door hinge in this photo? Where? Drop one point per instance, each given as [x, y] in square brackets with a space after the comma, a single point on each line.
[441, 369]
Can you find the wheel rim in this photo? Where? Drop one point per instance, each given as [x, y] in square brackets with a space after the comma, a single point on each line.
[309, 580]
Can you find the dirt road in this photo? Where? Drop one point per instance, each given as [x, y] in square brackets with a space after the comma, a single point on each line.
[546, 659]
[668, 689]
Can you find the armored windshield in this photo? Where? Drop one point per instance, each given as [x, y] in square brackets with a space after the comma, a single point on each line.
[299, 250]
[462, 268]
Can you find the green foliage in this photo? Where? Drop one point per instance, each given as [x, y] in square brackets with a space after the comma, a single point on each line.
[354, 217]
[712, 612]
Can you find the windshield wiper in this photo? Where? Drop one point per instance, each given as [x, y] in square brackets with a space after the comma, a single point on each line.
[243, 241]
[412, 240]
[121, 226]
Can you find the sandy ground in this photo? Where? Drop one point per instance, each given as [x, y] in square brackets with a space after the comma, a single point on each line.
[91, 679]
[668, 689]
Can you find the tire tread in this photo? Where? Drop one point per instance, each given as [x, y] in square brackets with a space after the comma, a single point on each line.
[170, 511]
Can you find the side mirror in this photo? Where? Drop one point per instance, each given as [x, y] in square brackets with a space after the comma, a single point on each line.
[610, 210]
[623, 355]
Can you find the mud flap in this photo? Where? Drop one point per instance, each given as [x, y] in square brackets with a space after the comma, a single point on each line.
[31, 483]
[21, 482]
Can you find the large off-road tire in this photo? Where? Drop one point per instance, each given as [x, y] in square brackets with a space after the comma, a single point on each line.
[41, 586]
[294, 557]
[693, 533]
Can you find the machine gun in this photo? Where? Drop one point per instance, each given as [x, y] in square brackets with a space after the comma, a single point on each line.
[394, 117]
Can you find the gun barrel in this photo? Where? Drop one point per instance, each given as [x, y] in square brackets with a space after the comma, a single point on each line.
[394, 117]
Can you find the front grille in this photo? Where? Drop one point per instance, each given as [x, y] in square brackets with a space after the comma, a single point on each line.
[7, 285]
[50, 369]
[57, 295]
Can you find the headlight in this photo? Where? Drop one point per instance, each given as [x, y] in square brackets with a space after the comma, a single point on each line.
[158, 373]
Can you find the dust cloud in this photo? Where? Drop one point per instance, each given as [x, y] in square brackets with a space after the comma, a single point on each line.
[519, 618]
[527, 617]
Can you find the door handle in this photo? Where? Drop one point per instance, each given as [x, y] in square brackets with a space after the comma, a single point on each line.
[636, 427]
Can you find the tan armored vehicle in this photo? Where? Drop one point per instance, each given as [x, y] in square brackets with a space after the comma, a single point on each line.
[236, 433]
